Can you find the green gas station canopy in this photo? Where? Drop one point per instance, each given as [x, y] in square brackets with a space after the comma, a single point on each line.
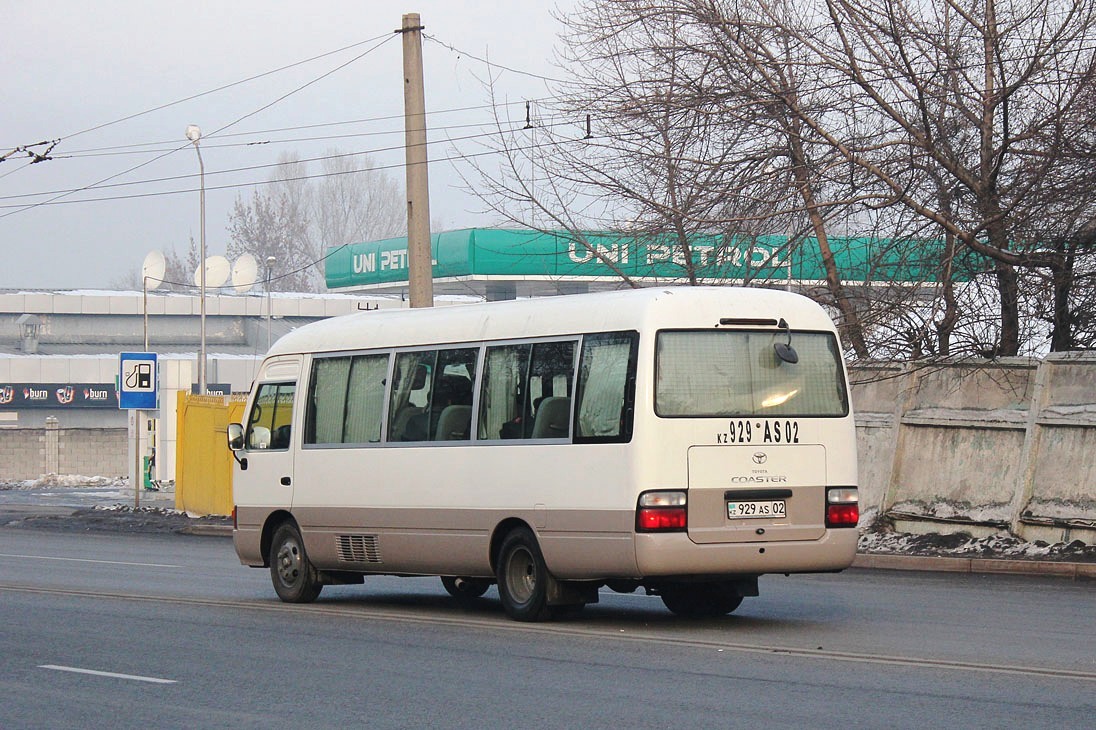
[472, 256]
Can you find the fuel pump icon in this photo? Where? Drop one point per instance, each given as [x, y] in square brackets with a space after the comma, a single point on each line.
[144, 375]
[140, 377]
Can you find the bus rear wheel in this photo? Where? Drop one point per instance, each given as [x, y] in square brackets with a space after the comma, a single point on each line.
[701, 600]
[295, 579]
[523, 577]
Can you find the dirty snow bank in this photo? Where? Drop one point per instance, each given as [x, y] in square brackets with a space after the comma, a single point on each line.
[879, 537]
[53, 481]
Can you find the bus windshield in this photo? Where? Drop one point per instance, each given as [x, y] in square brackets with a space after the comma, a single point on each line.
[719, 373]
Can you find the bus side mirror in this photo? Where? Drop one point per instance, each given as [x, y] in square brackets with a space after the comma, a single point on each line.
[236, 443]
[235, 436]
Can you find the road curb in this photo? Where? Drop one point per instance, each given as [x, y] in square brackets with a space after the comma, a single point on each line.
[207, 530]
[1086, 571]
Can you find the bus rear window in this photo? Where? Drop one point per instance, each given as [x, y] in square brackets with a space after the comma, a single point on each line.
[718, 373]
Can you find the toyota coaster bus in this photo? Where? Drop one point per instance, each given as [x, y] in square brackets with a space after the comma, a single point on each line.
[683, 441]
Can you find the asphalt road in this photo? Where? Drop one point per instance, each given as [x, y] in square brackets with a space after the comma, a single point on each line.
[131, 630]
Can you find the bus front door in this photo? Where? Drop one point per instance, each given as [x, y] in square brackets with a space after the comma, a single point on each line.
[269, 438]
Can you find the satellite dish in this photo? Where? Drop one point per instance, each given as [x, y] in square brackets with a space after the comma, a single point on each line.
[152, 270]
[245, 273]
[216, 272]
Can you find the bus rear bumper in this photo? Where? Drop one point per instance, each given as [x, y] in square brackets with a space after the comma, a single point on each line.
[674, 554]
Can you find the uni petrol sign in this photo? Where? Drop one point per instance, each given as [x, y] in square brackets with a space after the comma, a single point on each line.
[517, 254]
[18, 396]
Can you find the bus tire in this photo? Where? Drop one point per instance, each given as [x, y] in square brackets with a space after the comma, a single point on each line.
[700, 600]
[523, 577]
[295, 579]
[465, 590]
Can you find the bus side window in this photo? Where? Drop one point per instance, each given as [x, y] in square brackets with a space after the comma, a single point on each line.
[327, 400]
[454, 378]
[271, 418]
[551, 372]
[365, 399]
[409, 395]
[427, 383]
[517, 381]
[503, 397]
[605, 385]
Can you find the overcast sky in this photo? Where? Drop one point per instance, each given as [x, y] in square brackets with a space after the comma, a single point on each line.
[70, 66]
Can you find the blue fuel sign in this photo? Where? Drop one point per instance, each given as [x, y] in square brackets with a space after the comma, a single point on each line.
[138, 385]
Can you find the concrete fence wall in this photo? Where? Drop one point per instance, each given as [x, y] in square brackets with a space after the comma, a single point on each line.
[946, 447]
[965, 446]
[28, 453]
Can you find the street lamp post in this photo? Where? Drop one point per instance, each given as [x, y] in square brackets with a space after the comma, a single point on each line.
[270, 261]
[194, 133]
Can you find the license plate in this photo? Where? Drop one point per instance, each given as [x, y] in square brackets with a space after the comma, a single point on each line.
[754, 509]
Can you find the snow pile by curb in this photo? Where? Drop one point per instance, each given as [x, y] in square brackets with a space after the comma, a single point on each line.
[53, 481]
[962, 545]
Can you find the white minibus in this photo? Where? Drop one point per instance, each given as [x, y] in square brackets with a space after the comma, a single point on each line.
[682, 441]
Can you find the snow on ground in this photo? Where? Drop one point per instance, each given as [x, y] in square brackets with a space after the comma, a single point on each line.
[50, 481]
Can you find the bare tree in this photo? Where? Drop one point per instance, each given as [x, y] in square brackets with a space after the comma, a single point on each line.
[353, 201]
[179, 272]
[957, 135]
[969, 100]
[272, 225]
[297, 217]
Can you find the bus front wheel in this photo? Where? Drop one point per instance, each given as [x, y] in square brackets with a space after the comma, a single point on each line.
[523, 577]
[295, 579]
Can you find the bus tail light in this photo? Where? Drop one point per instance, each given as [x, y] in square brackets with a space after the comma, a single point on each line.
[842, 507]
[662, 512]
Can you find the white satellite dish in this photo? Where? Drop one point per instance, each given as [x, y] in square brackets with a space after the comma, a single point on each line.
[216, 272]
[245, 273]
[152, 270]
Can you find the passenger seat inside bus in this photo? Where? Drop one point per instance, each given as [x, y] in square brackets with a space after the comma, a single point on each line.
[553, 418]
[407, 424]
[454, 423]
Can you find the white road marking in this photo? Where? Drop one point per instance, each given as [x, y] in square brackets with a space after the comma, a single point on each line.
[114, 675]
[86, 560]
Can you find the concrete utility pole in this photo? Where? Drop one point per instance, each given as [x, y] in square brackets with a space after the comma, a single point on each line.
[193, 133]
[420, 272]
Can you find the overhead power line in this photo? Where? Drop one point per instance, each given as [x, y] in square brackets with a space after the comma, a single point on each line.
[266, 166]
[431, 113]
[488, 62]
[299, 178]
[216, 90]
[386, 38]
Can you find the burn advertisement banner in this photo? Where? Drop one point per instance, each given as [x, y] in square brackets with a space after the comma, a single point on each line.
[16, 396]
